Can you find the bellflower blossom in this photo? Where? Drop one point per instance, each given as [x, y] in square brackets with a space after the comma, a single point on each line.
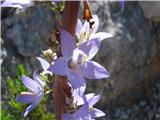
[84, 32]
[35, 94]
[21, 4]
[87, 111]
[76, 61]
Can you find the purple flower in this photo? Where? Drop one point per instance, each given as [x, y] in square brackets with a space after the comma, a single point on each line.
[87, 111]
[35, 94]
[76, 61]
[21, 4]
[45, 65]
[84, 32]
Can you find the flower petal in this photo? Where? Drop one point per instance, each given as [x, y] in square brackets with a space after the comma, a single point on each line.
[76, 80]
[68, 44]
[86, 25]
[101, 35]
[82, 112]
[79, 100]
[91, 47]
[66, 116]
[36, 77]
[31, 84]
[45, 65]
[79, 27]
[93, 100]
[26, 97]
[96, 24]
[93, 70]
[30, 107]
[59, 67]
[97, 113]
[77, 94]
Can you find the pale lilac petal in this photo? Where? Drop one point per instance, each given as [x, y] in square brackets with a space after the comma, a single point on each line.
[30, 107]
[36, 77]
[59, 67]
[76, 80]
[101, 35]
[77, 94]
[21, 4]
[97, 113]
[26, 97]
[90, 48]
[85, 27]
[45, 65]
[79, 27]
[96, 24]
[93, 70]
[79, 100]
[31, 84]
[93, 100]
[66, 116]
[68, 44]
[83, 111]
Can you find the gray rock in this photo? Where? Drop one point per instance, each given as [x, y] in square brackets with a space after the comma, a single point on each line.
[143, 103]
[150, 10]
[131, 56]
[26, 34]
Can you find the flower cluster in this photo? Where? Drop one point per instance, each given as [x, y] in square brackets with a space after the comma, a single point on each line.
[75, 63]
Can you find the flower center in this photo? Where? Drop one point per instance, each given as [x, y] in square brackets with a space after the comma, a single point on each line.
[84, 36]
[78, 58]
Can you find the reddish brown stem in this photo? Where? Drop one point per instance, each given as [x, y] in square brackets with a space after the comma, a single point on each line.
[61, 87]
[70, 16]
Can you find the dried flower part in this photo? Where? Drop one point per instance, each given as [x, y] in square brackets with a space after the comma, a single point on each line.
[49, 55]
[87, 15]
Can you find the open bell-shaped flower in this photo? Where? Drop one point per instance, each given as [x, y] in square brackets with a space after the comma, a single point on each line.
[84, 32]
[35, 93]
[76, 62]
[87, 111]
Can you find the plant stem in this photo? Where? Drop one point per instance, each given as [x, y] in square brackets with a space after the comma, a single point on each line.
[61, 87]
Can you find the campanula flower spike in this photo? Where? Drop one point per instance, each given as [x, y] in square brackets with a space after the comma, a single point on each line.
[20, 4]
[35, 94]
[76, 62]
[84, 32]
[87, 111]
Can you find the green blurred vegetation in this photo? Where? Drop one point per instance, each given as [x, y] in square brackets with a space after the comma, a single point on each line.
[12, 110]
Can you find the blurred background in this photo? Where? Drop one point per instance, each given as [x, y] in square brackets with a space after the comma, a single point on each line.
[132, 57]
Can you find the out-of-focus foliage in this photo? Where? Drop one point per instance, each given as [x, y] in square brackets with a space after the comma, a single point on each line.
[58, 6]
[12, 110]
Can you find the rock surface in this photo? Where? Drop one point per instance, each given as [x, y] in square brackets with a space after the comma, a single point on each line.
[25, 35]
[132, 56]
[151, 10]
